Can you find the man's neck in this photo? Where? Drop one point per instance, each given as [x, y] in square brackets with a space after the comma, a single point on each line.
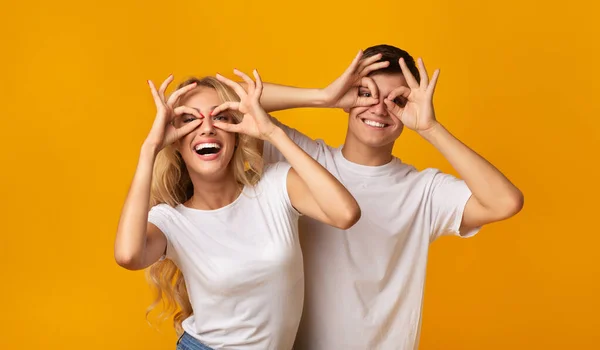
[359, 153]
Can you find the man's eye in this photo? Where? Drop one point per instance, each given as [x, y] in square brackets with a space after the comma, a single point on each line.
[364, 94]
[400, 101]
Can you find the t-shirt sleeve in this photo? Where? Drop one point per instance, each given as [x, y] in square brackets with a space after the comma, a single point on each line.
[313, 148]
[275, 176]
[161, 216]
[447, 199]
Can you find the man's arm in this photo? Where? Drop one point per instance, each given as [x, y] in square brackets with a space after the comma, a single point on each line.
[341, 93]
[277, 97]
[280, 97]
[494, 197]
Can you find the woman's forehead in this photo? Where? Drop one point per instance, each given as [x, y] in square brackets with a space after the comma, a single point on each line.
[201, 98]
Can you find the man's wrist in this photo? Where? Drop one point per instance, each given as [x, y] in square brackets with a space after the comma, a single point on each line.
[319, 99]
[432, 132]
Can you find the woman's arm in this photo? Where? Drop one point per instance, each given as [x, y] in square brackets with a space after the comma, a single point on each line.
[312, 189]
[139, 244]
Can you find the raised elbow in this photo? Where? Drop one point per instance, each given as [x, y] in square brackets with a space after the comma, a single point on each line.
[350, 217]
[517, 202]
[126, 260]
[513, 204]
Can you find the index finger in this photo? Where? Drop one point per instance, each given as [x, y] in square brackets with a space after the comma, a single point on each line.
[229, 105]
[177, 94]
[373, 67]
[368, 61]
[355, 62]
[239, 90]
[399, 91]
[370, 84]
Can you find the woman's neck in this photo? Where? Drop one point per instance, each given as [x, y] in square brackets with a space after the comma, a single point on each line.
[211, 195]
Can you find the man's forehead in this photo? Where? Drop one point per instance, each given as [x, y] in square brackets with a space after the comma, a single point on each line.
[387, 82]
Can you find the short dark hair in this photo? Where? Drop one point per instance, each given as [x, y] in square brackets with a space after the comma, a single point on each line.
[392, 54]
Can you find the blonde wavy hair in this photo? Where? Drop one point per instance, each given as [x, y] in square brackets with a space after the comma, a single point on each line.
[171, 184]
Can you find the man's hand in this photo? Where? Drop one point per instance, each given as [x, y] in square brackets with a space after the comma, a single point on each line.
[343, 92]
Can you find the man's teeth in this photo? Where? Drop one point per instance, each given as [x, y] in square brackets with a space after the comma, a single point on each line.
[374, 123]
[207, 145]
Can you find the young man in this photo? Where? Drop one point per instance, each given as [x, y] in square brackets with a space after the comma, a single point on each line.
[364, 285]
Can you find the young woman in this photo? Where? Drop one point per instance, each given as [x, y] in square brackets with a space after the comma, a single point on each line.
[221, 235]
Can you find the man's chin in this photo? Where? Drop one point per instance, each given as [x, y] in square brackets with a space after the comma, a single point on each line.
[372, 138]
[377, 141]
[381, 144]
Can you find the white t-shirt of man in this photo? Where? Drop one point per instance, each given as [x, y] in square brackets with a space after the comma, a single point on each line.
[364, 286]
[242, 266]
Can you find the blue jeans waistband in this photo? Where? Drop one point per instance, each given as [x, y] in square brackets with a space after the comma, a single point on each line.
[187, 342]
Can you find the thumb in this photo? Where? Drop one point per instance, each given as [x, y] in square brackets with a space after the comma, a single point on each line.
[228, 127]
[187, 128]
[184, 130]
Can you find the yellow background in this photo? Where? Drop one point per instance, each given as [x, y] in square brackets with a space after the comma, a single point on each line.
[518, 83]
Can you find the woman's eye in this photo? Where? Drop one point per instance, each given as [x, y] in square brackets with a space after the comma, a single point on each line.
[188, 118]
[220, 118]
[364, 94]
